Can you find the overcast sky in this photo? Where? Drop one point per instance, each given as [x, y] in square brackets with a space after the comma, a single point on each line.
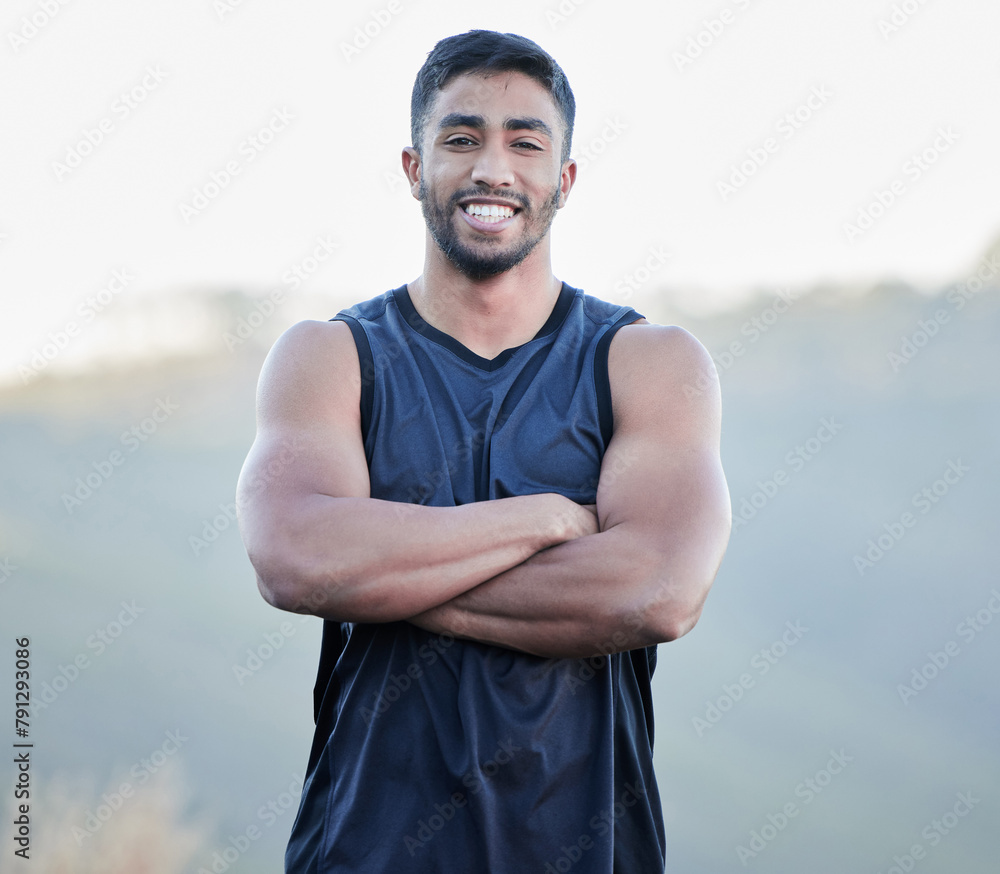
[830, 107]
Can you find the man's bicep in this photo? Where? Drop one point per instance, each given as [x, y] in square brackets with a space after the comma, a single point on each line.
[308, 425]
[661, 474]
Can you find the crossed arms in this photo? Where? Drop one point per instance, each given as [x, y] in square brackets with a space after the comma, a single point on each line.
[536, 573]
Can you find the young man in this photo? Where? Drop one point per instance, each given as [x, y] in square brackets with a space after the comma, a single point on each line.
[498, 494]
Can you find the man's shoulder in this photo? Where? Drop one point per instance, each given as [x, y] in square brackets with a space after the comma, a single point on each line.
[369, 310]
[313, 349]
[647, 359]
[642, 339]
[330, 342]
[602, 311]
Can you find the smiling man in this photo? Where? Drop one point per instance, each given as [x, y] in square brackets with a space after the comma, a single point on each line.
[499, 495]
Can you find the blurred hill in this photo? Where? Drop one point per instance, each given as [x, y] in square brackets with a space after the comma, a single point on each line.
[129, 576]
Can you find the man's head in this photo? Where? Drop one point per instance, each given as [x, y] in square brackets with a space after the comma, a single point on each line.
[486, 51]
[492, 118]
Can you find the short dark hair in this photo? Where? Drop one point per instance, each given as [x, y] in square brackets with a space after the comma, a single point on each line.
[487, 51]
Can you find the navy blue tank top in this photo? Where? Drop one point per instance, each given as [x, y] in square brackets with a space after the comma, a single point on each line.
[433, 754]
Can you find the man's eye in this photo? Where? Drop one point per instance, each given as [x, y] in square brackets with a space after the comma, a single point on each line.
[460, 141]
[529, 146]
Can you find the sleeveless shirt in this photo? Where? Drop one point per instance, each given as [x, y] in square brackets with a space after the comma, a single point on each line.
[434, 754]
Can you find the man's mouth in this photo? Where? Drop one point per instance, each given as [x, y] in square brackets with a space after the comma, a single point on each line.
[489, 213]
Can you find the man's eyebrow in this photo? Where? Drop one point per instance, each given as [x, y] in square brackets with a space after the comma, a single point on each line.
[529, 123]
[478, 122]
[460, 119]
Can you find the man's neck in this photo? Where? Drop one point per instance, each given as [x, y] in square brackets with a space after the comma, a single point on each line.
[486, 315]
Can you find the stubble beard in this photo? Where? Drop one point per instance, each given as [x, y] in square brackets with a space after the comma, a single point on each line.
[472, 261]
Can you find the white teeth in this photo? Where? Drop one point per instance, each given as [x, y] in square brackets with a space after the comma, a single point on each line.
[489, 213]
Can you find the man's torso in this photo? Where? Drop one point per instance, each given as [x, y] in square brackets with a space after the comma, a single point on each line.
[435, 754]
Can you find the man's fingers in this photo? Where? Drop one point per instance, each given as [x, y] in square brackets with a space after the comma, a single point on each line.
[591, 521]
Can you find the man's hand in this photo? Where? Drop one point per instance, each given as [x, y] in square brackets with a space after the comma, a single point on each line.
[580, 520]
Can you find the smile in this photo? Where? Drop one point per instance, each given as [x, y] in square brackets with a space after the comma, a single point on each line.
[489, 212]
[488, 215]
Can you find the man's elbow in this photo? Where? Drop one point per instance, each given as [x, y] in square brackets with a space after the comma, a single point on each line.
[285, 580]
[673, 607]
[676, 597]
[283, 590]
[335, 593]
[675, 623]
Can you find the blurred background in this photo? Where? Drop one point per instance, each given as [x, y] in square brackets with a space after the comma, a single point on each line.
[811, 189]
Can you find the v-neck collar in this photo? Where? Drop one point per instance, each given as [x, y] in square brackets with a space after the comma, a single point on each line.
[401, 296]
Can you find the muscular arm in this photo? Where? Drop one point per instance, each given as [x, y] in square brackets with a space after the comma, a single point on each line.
[664, 513]
[319, 542]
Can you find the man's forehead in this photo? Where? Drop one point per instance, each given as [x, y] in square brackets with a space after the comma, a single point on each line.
[494, 98]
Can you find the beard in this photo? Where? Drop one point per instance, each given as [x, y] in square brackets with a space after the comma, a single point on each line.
[489, 258]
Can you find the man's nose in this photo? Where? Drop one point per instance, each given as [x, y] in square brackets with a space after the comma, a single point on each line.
[493, 166]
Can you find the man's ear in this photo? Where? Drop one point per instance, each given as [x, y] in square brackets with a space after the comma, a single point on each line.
[412, 168]
[566, 180]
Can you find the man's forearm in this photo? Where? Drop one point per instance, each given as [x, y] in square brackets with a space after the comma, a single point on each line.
[595, 594]
[635, 583]
[365, 560]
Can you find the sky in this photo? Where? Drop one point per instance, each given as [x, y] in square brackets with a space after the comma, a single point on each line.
[723, 146]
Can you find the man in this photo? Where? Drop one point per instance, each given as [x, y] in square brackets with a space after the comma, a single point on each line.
[497, 492]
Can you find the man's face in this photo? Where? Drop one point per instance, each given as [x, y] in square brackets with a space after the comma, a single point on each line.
[492, 145]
